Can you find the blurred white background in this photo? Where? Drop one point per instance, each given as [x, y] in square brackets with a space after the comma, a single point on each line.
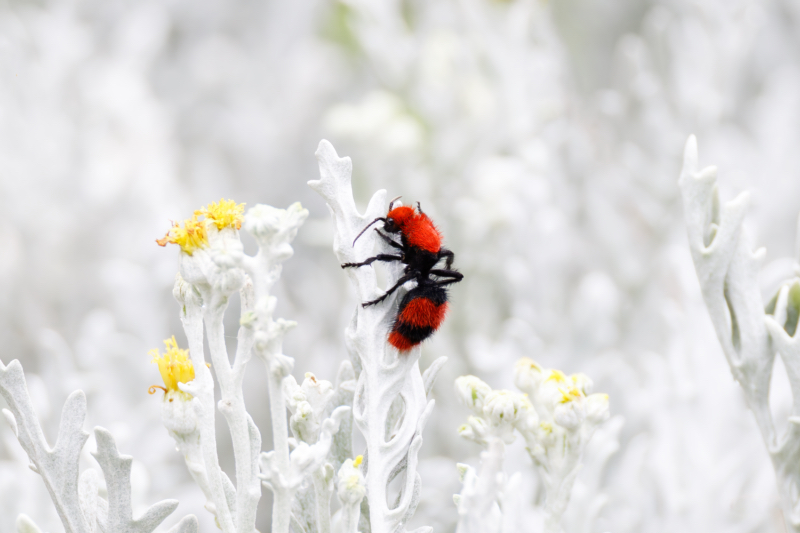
[544, 137]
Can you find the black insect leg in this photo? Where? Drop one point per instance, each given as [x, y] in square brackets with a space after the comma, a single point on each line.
[396, 286]
[388, 239]
[380, 257]
[447, 274]
[454, 277]
[445, 253]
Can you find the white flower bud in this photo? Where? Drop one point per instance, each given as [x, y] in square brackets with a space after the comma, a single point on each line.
[302, 422]
[351, 485]
[226, 251]
[193, 268]
[267, 223]
[476, 429]
[527, 375]
[582, 382]
[472, 392]
[281, 365]
[550, 392]
[570, 415]
[184, 292]
[597, 408]
[177, 414]
[318, 393]
[503, 406]
[527, 419]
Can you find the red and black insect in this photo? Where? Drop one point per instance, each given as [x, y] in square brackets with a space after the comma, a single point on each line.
[423, 308]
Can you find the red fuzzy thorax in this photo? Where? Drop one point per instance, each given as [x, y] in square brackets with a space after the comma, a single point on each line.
[417, 228]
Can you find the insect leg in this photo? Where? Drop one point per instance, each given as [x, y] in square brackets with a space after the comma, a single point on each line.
[396, 286]
[380, 257]
[388, 239]
[445, 253]
[455, 276]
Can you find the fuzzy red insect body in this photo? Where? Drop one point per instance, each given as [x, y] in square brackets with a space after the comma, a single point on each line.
[423, 308]
[416, 228]
[419, 315]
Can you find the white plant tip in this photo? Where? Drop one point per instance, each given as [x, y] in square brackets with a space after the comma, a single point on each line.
[727, 270]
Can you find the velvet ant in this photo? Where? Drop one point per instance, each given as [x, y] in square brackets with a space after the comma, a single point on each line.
[422, 309]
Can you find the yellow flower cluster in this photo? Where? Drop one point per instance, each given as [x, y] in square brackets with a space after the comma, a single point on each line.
[572, 393]
[224, 214]
[193, 234]
[175, 365]
[190, 237]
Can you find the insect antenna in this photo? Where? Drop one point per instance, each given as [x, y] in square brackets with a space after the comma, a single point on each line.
[365, 229]
[393, 201]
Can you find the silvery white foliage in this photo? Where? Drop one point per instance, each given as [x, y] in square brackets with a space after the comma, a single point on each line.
[750, 335]
[315, 417]
[309, 403]
[206, 280]
[393, 443]
[556, 416]
[116, 516]
[306, 461]
[75, 497]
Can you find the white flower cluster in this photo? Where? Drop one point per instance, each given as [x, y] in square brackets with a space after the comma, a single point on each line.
[568, 412]
[556, 414]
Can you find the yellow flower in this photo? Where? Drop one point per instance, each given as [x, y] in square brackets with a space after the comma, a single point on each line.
[224, 214]
[175, 366]
[572, 393]
[558, 376]
[190, 237]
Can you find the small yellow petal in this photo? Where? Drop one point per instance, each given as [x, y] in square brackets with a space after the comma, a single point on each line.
[190, 237]
[175, 366]
[557, 376]
[224, 214]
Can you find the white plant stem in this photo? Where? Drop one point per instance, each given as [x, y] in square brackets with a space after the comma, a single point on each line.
[561, 479]
[350, 514]
[244, 436]
[202, 389]
[323, 491]
[478, 510]
[728, 273]
[385, 373]
[282, 502]
[264, 270]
